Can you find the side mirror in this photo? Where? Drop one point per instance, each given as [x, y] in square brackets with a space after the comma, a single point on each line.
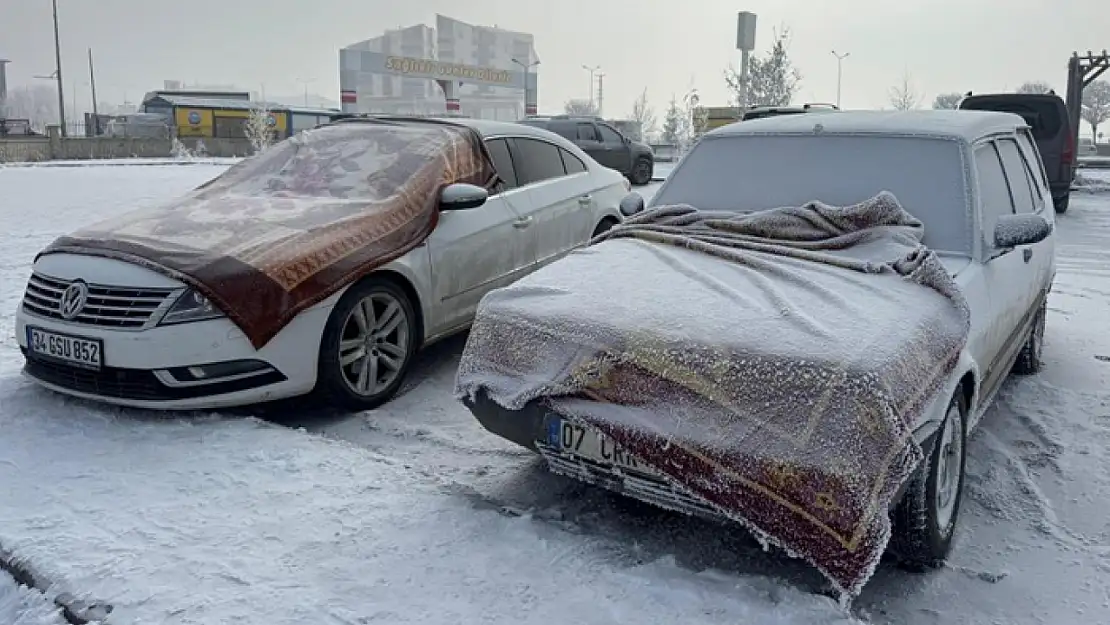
[631, 204]
[1013, 230]
[462, 196]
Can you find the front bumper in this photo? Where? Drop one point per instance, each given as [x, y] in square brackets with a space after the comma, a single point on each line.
[528, 427]
[192, 366]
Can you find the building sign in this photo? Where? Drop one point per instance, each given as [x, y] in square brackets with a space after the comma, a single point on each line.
[427, 68]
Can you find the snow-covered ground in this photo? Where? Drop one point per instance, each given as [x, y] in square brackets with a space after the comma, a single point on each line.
[413, 513]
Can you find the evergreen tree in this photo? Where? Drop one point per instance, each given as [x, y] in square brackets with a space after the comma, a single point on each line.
[672, 123]
[772, 80]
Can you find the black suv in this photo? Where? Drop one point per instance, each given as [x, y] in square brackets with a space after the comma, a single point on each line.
[1047, 116]
[603, 143]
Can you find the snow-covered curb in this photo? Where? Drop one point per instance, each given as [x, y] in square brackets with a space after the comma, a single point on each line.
[25, 598]
[20, 605]
[1091, 182]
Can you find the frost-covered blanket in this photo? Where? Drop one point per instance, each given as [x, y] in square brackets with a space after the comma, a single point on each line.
[280, 232]
[772, 363]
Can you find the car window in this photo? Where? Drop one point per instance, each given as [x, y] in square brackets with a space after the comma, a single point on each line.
[746, 173]
[1017, 175]
[572, 163]
[994, 193]
[586, 132]
[536, 161]
[1033, 155]
[608, 135]
[503, 162]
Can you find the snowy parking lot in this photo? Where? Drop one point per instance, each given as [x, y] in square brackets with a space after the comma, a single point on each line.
[413, 513]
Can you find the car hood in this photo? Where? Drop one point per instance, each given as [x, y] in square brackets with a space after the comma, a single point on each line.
[284, 230]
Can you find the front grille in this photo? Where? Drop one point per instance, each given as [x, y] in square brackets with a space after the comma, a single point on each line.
[108, 382]
[106, 306]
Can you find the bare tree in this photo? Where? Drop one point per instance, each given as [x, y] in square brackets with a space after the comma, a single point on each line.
[38, 104]
[580, 107]
[1096, 104]
[1035, 86]
[904, 97]
[259, 127]
[947, 100]
[644, 115]
[772, 80]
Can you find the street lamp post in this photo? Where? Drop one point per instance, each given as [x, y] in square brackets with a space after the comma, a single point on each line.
[593, 71]
[526, 66]
[839, 72]
[58, 70]
[306, 83]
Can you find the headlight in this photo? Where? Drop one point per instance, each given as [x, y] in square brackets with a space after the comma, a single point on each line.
[190, 306]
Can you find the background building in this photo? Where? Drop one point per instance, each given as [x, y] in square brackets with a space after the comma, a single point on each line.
[476, 63]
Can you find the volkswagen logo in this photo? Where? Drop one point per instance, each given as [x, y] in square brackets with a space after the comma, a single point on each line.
[73, 300]
[194, 118]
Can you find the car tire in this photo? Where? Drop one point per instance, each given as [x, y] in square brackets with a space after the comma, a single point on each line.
[368, 345]
[925, 520]
[642, 171]
[1061, 204]
[1029, 359]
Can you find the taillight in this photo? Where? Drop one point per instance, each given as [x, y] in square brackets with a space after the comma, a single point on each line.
[1068, 154]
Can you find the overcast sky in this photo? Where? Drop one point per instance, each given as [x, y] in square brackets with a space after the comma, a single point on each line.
[661, 45]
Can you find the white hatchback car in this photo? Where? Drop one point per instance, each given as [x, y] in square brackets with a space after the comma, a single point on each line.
[114, 331]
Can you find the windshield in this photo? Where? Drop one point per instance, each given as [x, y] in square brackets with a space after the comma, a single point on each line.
[353, 161]
[747, 173]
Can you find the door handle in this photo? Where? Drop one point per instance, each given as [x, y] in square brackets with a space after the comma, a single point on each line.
[585, 200]
[523, 222]
[1026, 254]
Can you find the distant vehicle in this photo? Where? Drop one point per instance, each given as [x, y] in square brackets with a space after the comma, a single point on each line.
[94, 325]
[1047, 115]
[1087, 147]
[137, 125]
[16, 128]
[973, 179]
[603, 142]
[759, 112]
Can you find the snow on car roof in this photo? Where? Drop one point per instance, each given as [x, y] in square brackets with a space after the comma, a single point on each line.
[489, 127]
[966, 125]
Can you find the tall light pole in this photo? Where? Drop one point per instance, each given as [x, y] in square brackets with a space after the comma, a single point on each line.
[600, 92]
[526, 66]
[839, 72]
[58, 70]
[306, 83]
[593, 71]
[92, 85]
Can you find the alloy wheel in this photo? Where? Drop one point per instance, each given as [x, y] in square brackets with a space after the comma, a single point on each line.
[374, 344]
[949, 469]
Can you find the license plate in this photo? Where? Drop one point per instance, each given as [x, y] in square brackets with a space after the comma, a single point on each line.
[72, 350]
[592, 445]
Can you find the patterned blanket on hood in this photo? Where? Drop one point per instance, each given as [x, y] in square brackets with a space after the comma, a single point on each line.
[283, 230]
[774, 364]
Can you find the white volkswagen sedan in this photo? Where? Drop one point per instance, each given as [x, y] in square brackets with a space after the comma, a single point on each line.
[114, 331]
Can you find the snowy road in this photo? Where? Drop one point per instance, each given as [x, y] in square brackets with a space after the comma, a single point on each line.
[412, 513]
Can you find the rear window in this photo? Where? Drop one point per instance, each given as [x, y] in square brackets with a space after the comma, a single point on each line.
[755, 172]
[1044, 115]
